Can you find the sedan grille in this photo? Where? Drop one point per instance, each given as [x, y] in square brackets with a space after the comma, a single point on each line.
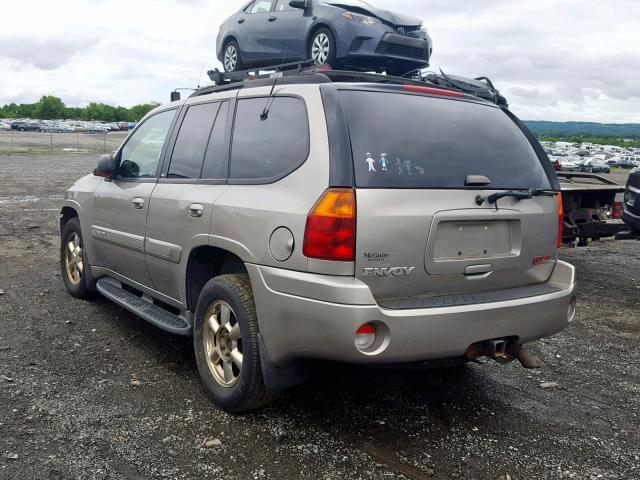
[386, 48]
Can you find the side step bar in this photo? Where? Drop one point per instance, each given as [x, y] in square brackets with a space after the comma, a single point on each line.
[112, 289]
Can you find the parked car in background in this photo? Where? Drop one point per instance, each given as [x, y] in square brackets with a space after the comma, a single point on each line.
[595, 166]
[347, 33]
[565, 163]
[4, 127]
[626, 162]
[22, 126]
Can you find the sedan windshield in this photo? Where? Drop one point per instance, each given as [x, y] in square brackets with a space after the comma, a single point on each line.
[349, 3]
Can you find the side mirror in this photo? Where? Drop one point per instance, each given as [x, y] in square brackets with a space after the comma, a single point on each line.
[301, 4]
[106, 166]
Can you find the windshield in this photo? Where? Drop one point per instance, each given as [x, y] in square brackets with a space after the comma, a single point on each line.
[411, 141]
[350, 3]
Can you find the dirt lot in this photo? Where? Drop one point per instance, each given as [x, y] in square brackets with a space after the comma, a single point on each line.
[89, 391]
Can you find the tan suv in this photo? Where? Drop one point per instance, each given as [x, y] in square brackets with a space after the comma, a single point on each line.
[371, 223]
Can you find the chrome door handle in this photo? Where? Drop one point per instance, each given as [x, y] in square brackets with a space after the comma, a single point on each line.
[138, 203]
[196, 210]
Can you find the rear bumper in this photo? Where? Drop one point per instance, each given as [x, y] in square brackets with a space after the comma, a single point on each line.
[308, 316]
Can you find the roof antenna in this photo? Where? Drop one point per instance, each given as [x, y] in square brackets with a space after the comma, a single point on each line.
[267, 108]
[200, 76]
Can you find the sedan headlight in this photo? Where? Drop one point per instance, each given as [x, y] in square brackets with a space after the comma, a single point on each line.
[361, 18]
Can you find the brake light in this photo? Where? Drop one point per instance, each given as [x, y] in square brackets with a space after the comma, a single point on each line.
[331, 227]
[560, 219]
[616, 211]
[431, 91]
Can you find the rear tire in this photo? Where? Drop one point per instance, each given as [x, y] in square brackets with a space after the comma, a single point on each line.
[322, 48]
[226, 344]
[231, 59]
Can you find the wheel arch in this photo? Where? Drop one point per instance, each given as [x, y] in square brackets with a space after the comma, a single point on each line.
[66, 214]
[206, 262]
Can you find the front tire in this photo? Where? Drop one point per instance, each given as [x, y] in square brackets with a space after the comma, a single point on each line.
[322, 48]
[231, 59]
[226, 345]
[73, 261]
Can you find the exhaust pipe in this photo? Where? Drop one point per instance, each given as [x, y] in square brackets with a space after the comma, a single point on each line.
[503, 351]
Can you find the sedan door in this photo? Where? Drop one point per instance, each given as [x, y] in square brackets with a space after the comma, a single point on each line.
[120, 205]
[251, 30]
[285, 33]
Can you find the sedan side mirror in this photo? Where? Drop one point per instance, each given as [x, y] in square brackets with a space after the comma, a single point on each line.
[301, 4]
[106, 166]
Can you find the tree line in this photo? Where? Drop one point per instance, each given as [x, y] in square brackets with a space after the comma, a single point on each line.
[53, 108]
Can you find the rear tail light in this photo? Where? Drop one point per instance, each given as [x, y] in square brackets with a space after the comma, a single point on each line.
[616, 211]
[331, 227]
[560, 219]
[365, 336]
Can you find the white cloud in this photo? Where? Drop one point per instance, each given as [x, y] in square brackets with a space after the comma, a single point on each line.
[556, 60]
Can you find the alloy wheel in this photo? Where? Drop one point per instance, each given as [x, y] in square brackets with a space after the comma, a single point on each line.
[320, 49]
[230, 58]
[223, 344]
[73, 259]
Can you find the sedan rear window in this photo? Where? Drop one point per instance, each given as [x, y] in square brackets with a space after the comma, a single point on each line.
[411, 141]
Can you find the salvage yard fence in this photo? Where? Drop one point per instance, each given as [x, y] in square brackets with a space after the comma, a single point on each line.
[19, 142]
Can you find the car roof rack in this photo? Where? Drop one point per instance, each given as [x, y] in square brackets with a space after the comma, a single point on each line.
[308, 72]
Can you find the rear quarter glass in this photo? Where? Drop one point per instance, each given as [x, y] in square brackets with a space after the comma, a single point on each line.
[414, 142]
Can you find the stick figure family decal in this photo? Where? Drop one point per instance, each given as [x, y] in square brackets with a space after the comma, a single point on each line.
[404, 167]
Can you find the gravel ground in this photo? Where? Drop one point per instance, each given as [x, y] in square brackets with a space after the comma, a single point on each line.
[89, 391]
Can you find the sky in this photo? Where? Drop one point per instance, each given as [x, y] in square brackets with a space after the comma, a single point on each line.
[554, 60]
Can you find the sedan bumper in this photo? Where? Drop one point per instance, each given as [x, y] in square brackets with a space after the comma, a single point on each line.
[377, 48]
[308, 316]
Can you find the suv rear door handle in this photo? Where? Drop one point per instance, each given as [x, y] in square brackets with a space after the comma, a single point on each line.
[273, 19]
[242, 20]
[196, 210]
[138, 203]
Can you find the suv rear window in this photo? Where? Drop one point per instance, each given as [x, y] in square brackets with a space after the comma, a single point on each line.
[267, 149]
[411, 141]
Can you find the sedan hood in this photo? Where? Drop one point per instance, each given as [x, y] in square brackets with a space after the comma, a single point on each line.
[386, 16]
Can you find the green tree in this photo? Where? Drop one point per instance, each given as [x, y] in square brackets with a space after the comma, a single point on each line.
[48, 108]
[139, 111]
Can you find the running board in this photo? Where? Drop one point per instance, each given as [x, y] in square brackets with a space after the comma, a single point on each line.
[112, 289]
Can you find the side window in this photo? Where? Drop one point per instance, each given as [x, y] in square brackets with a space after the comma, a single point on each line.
[247, 9]
[261, 6]
[217, 158]
[141, 153]
[191, 144]
[264, 150]
[283, 6]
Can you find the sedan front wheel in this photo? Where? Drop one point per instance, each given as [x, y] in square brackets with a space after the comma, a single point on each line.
[322, 48]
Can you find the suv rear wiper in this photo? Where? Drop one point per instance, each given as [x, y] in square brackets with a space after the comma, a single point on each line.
[517, 194]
